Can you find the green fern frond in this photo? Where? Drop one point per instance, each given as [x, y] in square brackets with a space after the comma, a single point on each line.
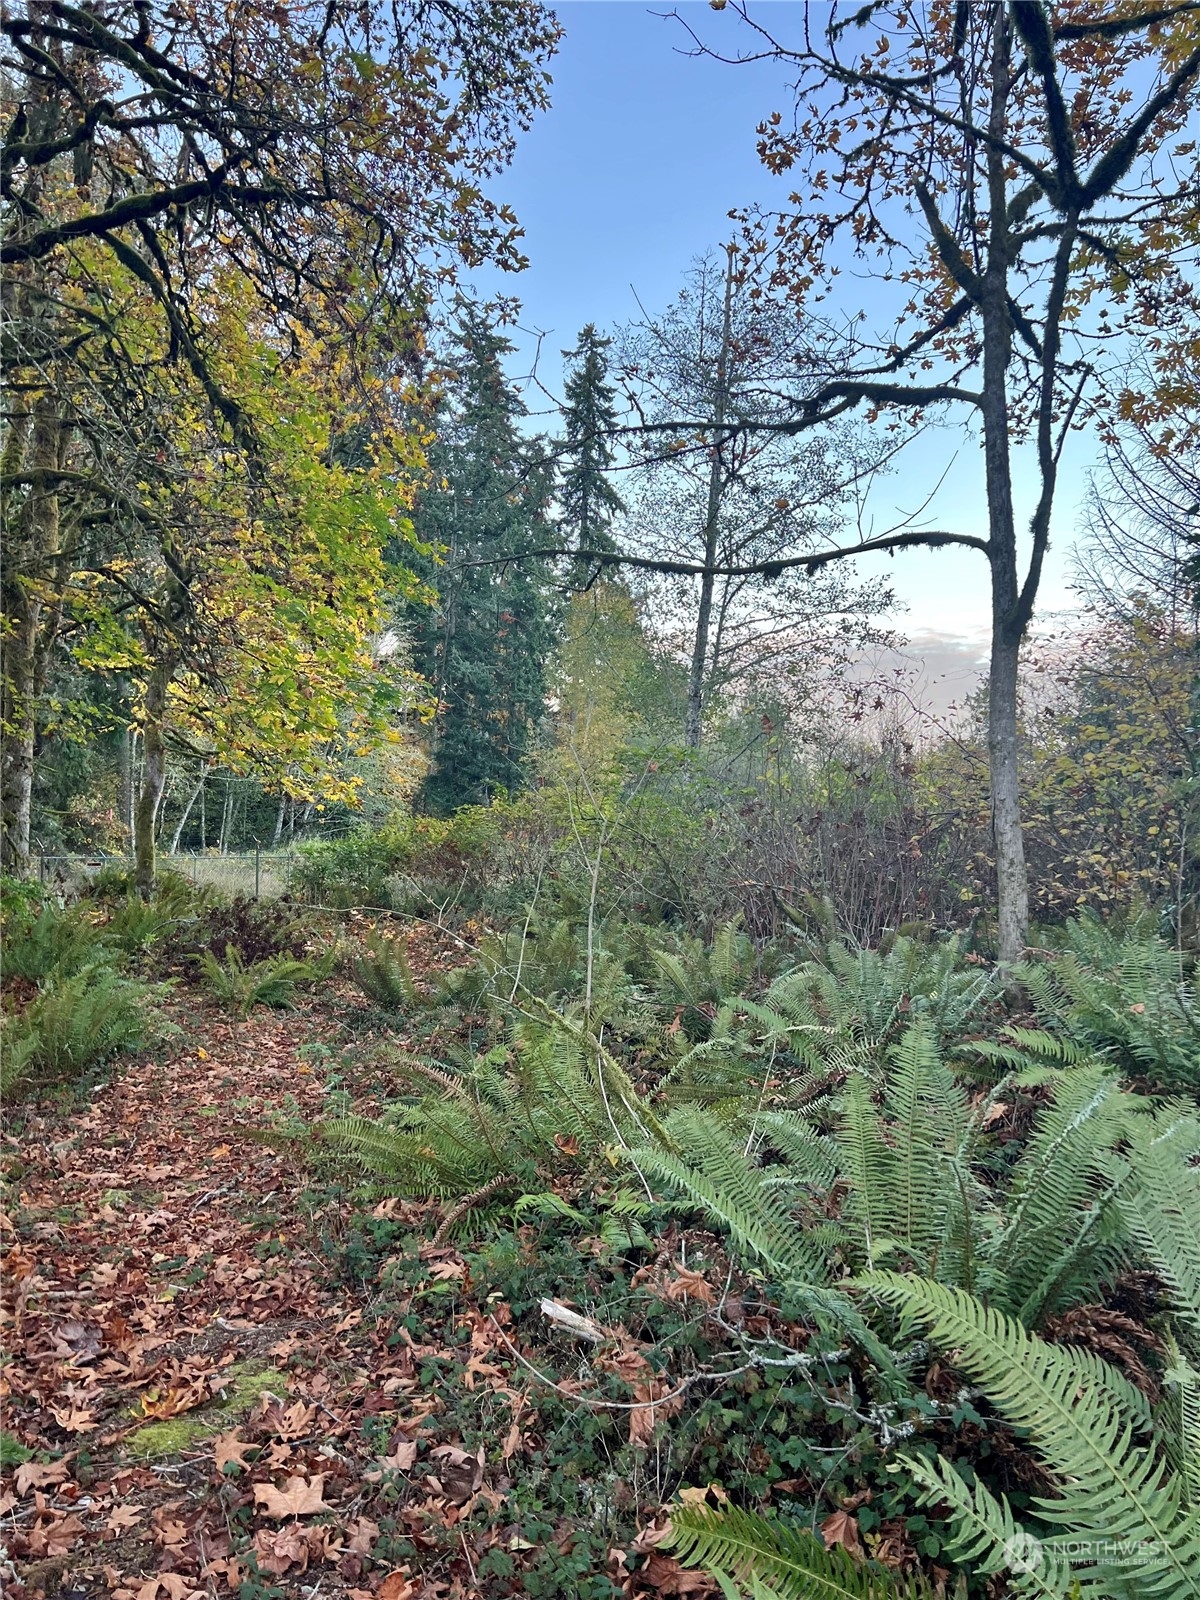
[1027, 1047]
[1051, 1218]
[382, 971]
[1158, 1194]
[1178, 1421]
[712, 1171]
[769, 1557]
[1080, 1416]
[984, 1533]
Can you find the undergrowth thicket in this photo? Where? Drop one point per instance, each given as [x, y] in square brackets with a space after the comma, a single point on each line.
[903, 1284]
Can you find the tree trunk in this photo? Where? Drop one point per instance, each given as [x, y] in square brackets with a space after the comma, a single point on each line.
[279, 816]
[693, 725]
[226, 818]
[1011, 877]
[154, 777]
[31, 556]
[17, 744]
[125, 782]
[187, 810]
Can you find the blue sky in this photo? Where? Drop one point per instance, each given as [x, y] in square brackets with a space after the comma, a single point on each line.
[631, 175]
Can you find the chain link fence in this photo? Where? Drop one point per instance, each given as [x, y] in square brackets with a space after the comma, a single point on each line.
[256, 874]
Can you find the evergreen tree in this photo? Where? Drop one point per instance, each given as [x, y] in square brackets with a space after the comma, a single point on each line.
[484, 647]
[587, 498]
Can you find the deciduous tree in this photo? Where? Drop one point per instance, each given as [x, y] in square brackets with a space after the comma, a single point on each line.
[1011, 177]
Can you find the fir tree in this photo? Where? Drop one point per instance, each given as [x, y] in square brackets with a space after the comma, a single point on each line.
[587, 498]
[484, 647]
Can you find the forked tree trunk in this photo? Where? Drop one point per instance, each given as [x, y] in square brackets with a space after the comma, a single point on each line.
[154, 777]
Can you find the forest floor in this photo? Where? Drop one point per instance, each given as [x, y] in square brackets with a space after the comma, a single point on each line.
[206, 1392]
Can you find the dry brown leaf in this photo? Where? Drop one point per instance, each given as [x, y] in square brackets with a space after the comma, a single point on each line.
[37, 1474]
[278, 1549]
[74, 1419]
[689, 1285]
[292, 1423]
[363, 1535]
[228, 1447]
[178, 1587]
[396, 1586]
[55, 1537]
[512, 1442]
[299, 1497]
[666, 1575]
[122, 1517]
[401, 1457]
[841, 1528]
[460, 1474]
[699, 1497]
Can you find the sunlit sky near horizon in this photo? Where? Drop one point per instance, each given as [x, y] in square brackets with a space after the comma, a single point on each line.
[631, 175]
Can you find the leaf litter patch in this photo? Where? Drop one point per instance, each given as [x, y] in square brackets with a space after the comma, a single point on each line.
[197, 1405]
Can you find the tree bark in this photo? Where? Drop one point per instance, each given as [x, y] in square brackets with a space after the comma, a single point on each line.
[32, 556]
[1012, 881]
[279, 816]
[154, 777]
[226, 818]
[694, 723]
[187, 810]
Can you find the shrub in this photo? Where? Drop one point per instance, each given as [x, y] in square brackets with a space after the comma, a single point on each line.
[410, 861]
[259, 930]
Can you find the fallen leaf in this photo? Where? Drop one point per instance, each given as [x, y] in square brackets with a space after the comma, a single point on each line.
[278, 1549]
[122, 1517]
[396, 1586]
[78, 1341]
[699, 1497]
[841, 1528]
[178, 1587]
[228, 1447]
[74, 1419]
[299, 1497]
[401, 1457]
[37, 1474]
[363, 1535]
[668, 1576]
[689, 1285]
[460, 1474]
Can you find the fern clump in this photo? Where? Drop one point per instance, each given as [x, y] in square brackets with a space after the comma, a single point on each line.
[76, 1024]
[53, 944]
[549, 1101]
[263, 983]
[1123, 991]
[382, 971]
[906, 1160]
[1117, 1493]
